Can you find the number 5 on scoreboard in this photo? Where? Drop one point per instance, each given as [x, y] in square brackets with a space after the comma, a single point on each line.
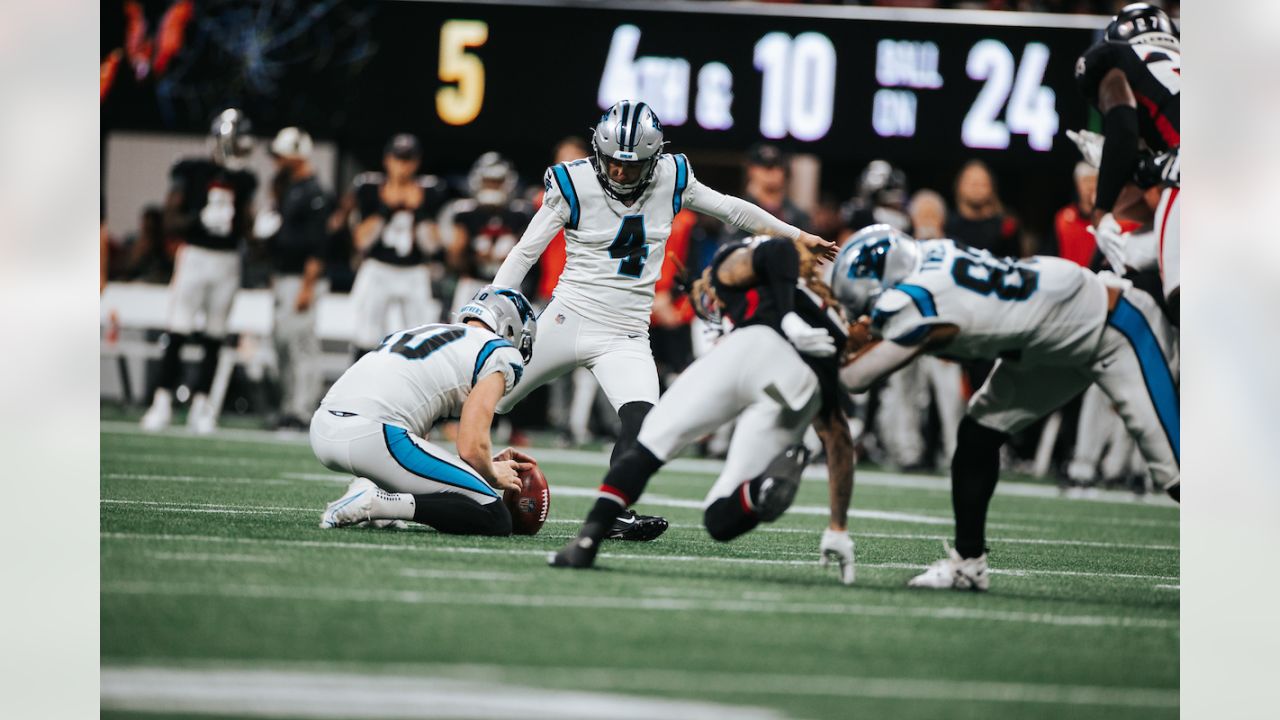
[459, 104]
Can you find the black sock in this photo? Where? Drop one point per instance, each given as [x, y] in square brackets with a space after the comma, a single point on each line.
[171, 363]
[729, 517]
[460, 515]
[624, 482]
[208, 364]
[975, 468]
[632, 417]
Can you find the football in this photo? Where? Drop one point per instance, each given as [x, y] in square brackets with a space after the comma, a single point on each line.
[530, 506]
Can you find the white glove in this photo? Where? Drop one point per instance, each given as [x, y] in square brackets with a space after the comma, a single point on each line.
[1111, 241]
[807, 339]
[837, 545]
[1090, 144]
[266, 224]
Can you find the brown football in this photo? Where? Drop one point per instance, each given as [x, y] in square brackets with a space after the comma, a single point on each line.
[530, 506]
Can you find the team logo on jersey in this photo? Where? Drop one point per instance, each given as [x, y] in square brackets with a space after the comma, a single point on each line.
[559, 318]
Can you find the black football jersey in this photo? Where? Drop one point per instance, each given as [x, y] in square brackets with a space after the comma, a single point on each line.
[1155, 76]
[492, 232]
[201, 183]
[756, 306]
[397, 244]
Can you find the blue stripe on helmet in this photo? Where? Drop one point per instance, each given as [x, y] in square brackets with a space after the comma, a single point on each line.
[682, 180]
[569, 192]
[418, 461]
[1155, 369]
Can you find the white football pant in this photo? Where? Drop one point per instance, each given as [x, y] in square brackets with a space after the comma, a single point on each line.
[622, 362]
[204, 283]
[297, 346]
[392, 457]
[752, 376]
[1135, 364]
[380, 285]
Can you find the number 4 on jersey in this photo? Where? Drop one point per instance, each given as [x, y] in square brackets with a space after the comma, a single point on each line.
[630, 246]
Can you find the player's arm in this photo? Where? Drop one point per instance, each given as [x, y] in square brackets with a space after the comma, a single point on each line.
[881, 358]
[474, 446]
[751, 218]
[1119, 111]
[372, 216]
[542, 229]
[317, 246]
[833, 428]
[176, 220]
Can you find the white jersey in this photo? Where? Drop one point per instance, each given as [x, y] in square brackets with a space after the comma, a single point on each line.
[1040, 310]
[614, 252]
[422, 375]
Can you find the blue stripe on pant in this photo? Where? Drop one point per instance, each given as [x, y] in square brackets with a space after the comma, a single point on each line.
[413, 458]
[1155, 368]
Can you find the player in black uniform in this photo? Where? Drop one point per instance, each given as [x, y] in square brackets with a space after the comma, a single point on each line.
[1134, 77]
[209, 207]
[773, 372]
[395, 234]
[486, 225]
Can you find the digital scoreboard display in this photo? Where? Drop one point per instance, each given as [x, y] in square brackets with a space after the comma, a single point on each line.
[833, 84]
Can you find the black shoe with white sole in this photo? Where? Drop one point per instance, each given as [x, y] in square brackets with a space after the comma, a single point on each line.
[637, 528]
[780, 481]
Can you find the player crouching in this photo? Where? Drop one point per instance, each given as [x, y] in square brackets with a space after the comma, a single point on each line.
[756, 375]
[374, 419]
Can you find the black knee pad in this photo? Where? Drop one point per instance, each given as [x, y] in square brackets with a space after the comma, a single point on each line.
[501, 524]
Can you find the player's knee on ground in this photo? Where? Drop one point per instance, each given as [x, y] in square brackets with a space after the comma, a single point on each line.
[632, 417]
[726, 519]
[455, 514]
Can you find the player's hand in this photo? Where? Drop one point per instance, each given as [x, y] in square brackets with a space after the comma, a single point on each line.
[807, 339]
[523, 462]
[821, 248]
[1111, 241]
[266, 224]
[506, 475]
[838, 546]
[859, 335]
[306, 296]
[1090, 144]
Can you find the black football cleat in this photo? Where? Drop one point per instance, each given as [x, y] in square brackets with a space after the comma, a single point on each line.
[637, 528]
[579, 554]
[781, 480]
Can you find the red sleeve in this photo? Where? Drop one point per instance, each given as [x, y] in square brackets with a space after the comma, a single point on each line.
[677, 250]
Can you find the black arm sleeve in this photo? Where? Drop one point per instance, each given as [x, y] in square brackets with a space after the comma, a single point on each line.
[1119, 154]
[777, 264]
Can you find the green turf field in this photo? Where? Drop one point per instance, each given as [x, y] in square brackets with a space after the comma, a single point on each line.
[222, 598]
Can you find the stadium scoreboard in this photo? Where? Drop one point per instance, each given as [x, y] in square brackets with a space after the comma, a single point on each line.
[833, 83]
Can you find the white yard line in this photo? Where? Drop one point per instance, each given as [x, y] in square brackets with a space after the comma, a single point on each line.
[214, 557]
[219, 480]
[585, 458]
[168, 681]
[630, 602]
[464, 575]
[265, 693]
[448, 549]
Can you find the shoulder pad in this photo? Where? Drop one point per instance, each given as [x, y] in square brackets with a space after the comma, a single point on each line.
[428, 182]
[368, 178]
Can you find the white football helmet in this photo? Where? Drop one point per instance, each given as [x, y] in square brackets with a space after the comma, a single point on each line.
[507, 313]
[229, 139]
[628, 132]
[292, 143]
[492, 180]
[876, 257]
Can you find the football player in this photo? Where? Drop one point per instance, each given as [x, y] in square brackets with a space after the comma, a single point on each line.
[396, 231]
[772, 373]
[209, 208]
[1134, 77]
[1053, 328]
[374, 419]
[616, 209]
[485, 225]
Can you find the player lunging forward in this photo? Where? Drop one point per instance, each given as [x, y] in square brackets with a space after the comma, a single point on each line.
[1053, 327]
[766, 374]
[373, 421]
[616, 209]
[1134, 77]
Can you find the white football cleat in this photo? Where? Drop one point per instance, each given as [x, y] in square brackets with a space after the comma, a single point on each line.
[160, 413]
[353, 507]
[384, 524]
[201, 419]
[954, 572]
